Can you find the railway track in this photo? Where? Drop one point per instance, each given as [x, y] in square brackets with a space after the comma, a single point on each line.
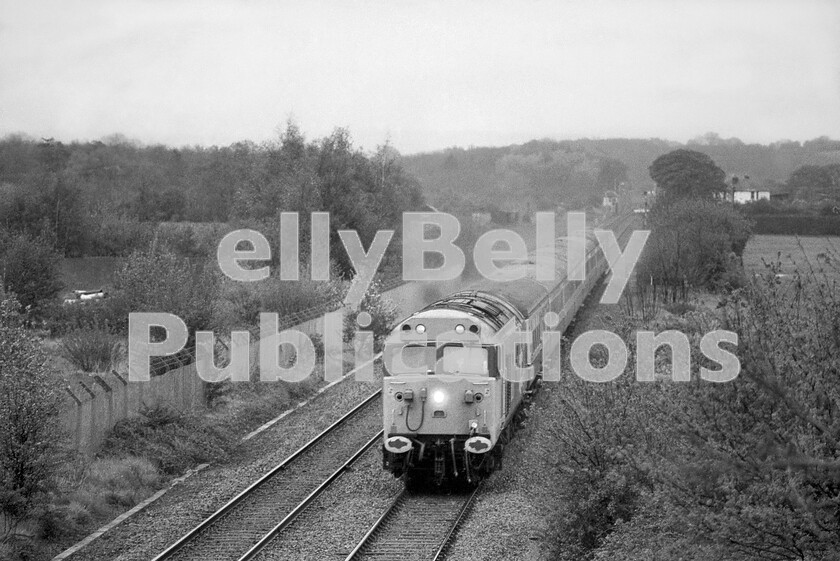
[242, 527]
[415, 527]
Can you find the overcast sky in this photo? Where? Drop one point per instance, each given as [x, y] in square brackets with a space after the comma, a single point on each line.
[427, 75]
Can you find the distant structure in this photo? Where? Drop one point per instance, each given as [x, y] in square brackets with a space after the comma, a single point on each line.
[741, 191]
[742, 197]
[86, 296]
[610, 203]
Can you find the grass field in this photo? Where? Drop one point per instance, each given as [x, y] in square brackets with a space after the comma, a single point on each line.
[88, 273]
[793, 253]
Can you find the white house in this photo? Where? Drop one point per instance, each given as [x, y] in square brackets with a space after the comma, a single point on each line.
[742, 197]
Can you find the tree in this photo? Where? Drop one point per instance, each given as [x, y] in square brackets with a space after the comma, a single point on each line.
[160, 281]
[611, 173]
[684, 174]
[29, 269]
[814, 182]
[383, 313]
[30, 402]
[695, 242]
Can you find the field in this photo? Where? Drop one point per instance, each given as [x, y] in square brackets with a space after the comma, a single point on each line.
[793, 253]
[88, 273]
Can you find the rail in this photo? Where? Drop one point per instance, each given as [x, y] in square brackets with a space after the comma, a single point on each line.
[206, 525]
[425, 517]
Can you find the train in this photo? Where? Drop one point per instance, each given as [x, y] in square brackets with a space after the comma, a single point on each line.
[450, 400]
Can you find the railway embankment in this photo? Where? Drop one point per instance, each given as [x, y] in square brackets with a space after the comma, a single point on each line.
[151, 530]
[569, 477]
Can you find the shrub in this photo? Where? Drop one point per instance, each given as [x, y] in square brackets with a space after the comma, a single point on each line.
[241, 303]
[29, 270]
[172, 440]
[65, 318]
[95, 489]
[765, 446]
[92, 349]
[741, 470]
[680, 308]
[383, 313]
[190, 239]
[30, 401]
[121, 482]
[694, 243]
[120, 236]
[764, 206]
[597, 432]
[160, 281]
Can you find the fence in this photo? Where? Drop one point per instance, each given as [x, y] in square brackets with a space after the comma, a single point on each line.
[93, 408]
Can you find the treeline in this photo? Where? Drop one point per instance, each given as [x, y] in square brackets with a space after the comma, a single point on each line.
[521, 174]
[101, 197]
[769, 166]
[538, 175]
[815, 183]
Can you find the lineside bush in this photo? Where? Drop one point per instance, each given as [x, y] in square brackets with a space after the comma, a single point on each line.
[30, 434]
[92, 349]
[743, 470]
[174, 441]
[694, 243]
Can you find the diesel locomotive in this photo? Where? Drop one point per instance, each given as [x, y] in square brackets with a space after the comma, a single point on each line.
[450, 396]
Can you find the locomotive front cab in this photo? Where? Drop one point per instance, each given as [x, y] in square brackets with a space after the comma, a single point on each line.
[441, 399]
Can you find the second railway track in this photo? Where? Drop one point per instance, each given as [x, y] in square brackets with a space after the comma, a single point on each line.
[251, 518]
[415, 527]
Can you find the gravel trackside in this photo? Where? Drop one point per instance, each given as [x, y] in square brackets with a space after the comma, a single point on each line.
[150, 531]
[336, 521]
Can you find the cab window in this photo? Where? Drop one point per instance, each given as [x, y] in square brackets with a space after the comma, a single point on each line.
[458, 359]
[410, 359]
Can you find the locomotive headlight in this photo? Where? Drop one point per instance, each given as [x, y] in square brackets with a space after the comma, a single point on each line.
[420, 328]
[438, 397]
[459, 328]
